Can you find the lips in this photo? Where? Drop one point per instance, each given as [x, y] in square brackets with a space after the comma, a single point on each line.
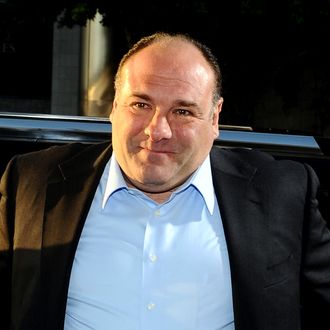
[158, 150]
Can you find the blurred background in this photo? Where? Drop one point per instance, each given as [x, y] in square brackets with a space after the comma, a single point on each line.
[59, 57]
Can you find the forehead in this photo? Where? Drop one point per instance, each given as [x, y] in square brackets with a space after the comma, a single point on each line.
[174, 60]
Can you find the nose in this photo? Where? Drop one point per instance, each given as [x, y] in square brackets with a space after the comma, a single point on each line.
[158, 128]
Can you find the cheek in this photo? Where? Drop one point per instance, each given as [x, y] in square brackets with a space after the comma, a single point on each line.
[188, 139]
[196, 135]
[196, 141]
[122, 123]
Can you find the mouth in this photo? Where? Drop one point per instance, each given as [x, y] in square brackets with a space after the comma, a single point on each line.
[157, 152]
[157, 149]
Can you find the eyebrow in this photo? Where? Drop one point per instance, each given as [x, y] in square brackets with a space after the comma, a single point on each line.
[178, 102]
[141, 96]
[185, 103]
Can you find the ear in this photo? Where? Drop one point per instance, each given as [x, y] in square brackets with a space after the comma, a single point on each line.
[215, 118]
[114, 106]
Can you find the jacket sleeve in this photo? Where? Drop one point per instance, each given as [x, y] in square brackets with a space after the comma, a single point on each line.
[6, 244]
[316, 238]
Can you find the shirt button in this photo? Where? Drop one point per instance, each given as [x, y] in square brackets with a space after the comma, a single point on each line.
[157, 213]
[151, 306]
[153, 257]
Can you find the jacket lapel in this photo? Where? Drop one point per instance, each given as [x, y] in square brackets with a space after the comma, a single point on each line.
[69, 195]
[243, 209]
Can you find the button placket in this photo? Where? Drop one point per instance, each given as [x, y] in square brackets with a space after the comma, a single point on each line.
[150, 268]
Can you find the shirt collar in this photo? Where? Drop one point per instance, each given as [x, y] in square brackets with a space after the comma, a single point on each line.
[115, 180]
[201, 180]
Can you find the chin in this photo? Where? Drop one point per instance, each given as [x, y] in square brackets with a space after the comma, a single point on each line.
[155, 181]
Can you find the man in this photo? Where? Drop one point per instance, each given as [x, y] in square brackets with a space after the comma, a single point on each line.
[160, 230]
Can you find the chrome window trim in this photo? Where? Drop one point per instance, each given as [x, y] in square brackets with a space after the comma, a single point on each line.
[62, 129]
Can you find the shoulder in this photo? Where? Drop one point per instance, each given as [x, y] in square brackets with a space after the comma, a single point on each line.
[236, 155]
[44, 160]
[62, 152]
[259, 164]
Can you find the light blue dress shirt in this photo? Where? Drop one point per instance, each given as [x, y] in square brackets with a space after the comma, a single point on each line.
[148, 266]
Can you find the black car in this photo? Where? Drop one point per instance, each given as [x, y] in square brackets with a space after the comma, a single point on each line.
[21, 133]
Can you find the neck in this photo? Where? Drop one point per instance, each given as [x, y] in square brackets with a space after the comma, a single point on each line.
[157, 196]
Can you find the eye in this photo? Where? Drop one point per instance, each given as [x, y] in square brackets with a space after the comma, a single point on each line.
[183, 112]
[140, 105]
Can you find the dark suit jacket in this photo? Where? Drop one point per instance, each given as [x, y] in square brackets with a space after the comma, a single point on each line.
[278, 243]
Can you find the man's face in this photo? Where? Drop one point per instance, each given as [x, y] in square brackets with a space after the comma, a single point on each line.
[163, 126]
